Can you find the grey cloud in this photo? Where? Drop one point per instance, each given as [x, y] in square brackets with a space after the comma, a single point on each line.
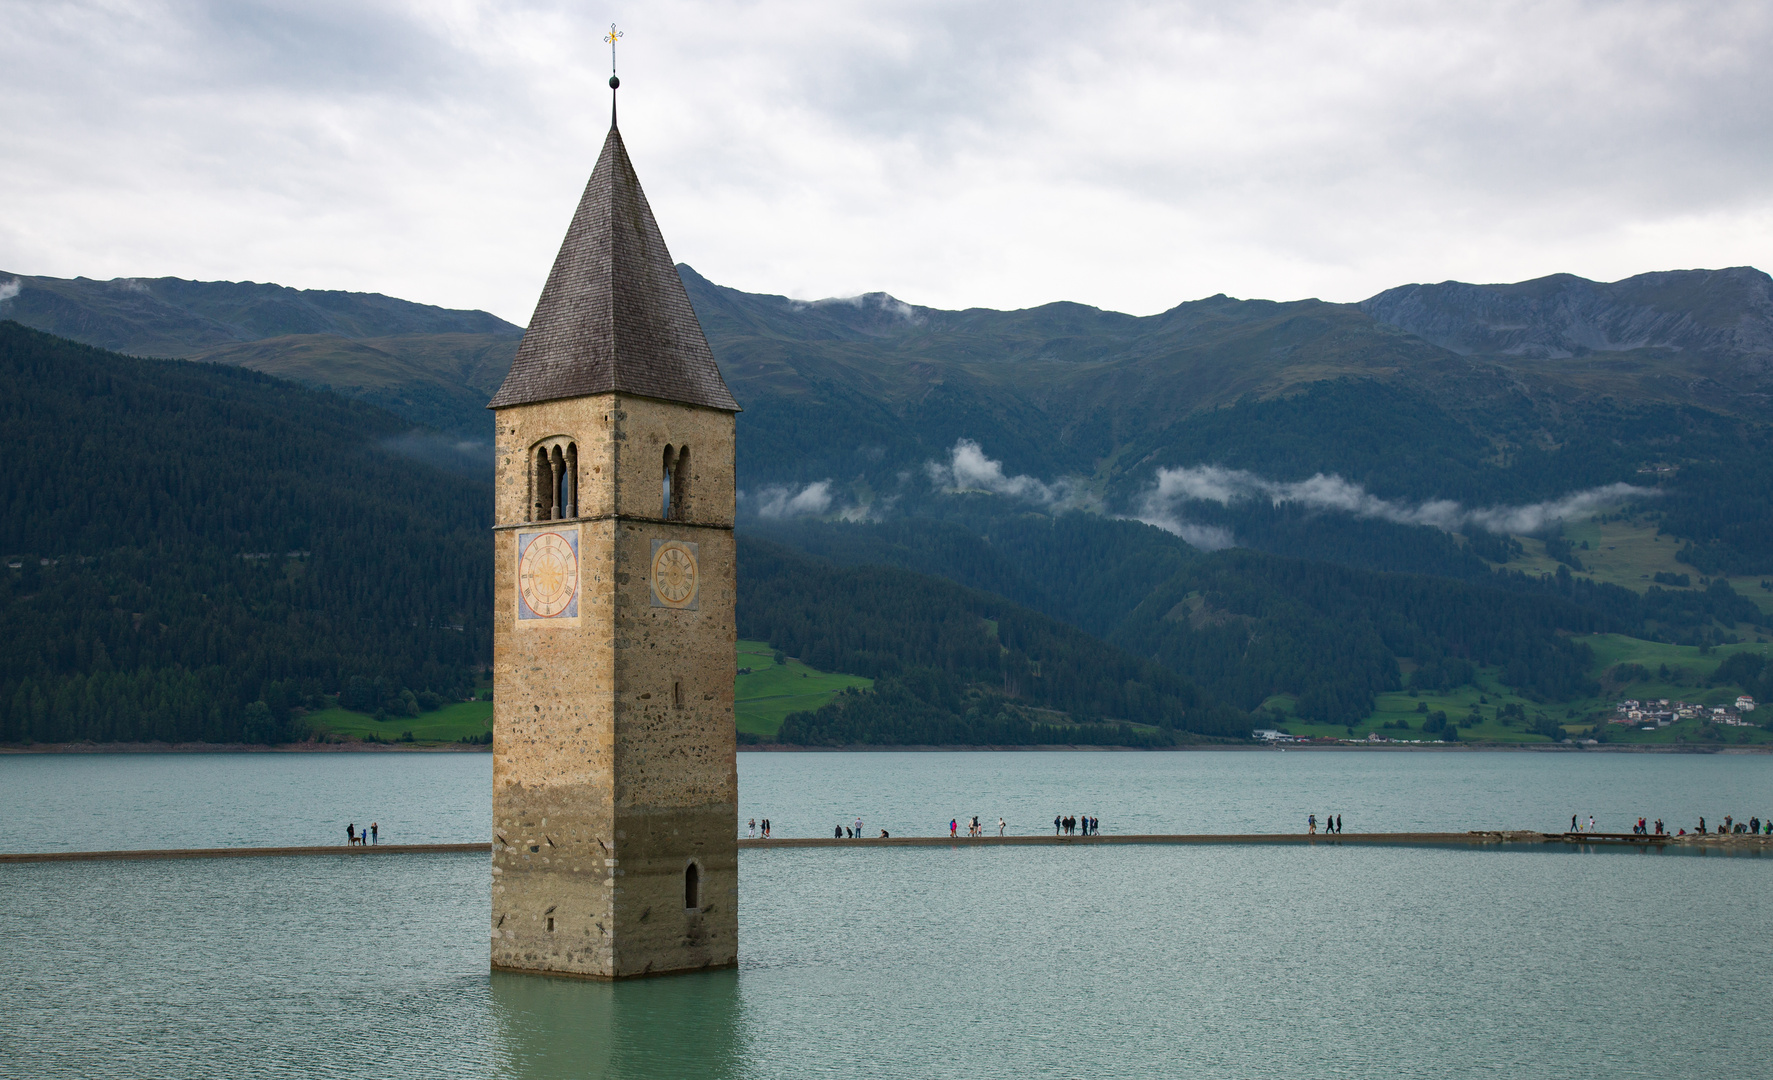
[958, 154]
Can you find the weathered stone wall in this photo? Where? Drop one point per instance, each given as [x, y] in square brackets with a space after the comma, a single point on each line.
[613, 744]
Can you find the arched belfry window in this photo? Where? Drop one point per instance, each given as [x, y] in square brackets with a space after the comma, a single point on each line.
[557, 463]
[692, 886]
[540, 477]
[554, 480]
[665, 493]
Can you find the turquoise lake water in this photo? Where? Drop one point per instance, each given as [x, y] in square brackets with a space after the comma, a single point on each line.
[77, 802]
[964, 962]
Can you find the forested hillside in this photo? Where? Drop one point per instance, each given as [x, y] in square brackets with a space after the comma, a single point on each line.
[955, 665]
[1548, 459]
[1245, 625]
[185, 541]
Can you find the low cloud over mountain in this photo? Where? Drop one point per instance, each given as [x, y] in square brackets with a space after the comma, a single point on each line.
[968, 469]
[1175, 488]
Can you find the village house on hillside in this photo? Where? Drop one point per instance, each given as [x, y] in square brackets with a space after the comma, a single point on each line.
[1661, 712]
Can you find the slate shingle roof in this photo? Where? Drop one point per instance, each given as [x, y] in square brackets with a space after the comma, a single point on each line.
[614, 315]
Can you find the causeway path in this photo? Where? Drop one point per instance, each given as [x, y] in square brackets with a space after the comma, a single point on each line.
[1475, 838]
[813, 842]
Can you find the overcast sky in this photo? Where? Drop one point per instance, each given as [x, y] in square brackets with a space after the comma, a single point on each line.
[953, 153]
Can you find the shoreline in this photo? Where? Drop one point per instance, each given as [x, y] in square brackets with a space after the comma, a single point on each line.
[785, 748]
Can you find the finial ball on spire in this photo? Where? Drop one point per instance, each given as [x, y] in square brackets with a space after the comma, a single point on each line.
[614, 82]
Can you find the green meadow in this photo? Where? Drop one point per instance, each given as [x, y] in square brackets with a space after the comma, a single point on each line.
[1629, 553]
[445, 725]
[766, 694]
[1398, 715]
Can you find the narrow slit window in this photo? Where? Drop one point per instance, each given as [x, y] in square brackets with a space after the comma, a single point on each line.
[665, 484]
[680, 486]
[677, 694]
[550, 924]
[692, 886]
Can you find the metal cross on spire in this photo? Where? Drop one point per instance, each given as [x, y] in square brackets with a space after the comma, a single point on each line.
[612, 37]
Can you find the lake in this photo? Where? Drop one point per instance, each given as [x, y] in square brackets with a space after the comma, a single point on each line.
[962, 962]
[73, 802]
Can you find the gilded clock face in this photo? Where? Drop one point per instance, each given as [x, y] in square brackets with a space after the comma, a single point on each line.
[676, 578]
[548, 574]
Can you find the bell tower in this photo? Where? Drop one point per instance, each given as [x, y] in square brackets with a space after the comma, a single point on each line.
[615, 787]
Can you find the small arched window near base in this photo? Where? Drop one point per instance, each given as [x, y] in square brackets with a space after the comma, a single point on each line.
[692, 886]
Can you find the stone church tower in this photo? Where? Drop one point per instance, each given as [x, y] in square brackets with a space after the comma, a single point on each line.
[615, 788]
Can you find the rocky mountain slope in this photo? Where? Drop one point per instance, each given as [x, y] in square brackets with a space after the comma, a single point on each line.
[1707, 331]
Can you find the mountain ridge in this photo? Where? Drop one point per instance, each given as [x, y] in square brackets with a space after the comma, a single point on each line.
[1717, 312]
[420, 361]
[864, 389]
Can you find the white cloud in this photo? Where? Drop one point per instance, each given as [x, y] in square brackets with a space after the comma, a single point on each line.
[892, 305]
[777, 502]
[470, 457]
[785, 501]
[956, 154]
[1211, 483]
[968, 469]
[1205, 537]
[8, 290]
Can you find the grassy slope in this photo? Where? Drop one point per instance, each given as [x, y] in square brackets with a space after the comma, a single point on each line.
[765, 697]
[1628, 553]
[446, 725]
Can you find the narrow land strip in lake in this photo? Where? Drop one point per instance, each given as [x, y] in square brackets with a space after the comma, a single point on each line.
[1734, 843]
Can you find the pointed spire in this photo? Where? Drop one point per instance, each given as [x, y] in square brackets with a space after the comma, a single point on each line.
[614, 316]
